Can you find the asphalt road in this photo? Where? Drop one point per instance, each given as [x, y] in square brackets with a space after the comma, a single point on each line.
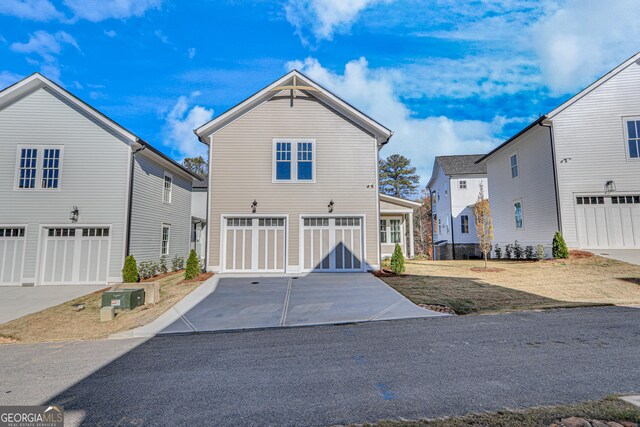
[334, 374]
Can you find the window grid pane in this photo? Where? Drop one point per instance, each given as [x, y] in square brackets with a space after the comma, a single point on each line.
[383, 231]
[28, 167]
[283, 160]
[165, 240]
[464, 224]
[518, 209]
[166, 195]
[395, 230]
[633, 131]
[50, 168]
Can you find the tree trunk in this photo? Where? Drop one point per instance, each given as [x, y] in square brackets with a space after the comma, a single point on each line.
[485, 260]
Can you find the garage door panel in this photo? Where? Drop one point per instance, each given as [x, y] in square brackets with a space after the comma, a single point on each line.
[332, 244]
[255, 244]
[608, 222]
[11, 255]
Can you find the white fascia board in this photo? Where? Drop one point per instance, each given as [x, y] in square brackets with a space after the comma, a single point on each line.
[398, 201]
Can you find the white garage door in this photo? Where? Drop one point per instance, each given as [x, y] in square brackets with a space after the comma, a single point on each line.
[608, 222]
[332, 244]
[75, 256]
[254, 244]
[12, 242]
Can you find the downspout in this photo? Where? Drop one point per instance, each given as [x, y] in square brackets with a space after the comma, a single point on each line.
[453, 231]
[128, 235]
[207, 233]
[555, 176]
[433, 247]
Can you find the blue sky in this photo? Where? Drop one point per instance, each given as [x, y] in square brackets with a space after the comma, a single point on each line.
[449, 77]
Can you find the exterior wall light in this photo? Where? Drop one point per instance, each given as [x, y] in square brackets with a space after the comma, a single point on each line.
[74, 214]
[330, 206]
[609, 186]
[254, 206]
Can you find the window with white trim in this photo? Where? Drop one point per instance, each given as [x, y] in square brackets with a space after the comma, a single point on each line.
[514, 166]
[167, 188]
[383, 231]
[38, 167]
[50, 167]
[518, 214]
[395, 234]
[12, 232]
[28, 167]
[633, 137]
[293, 160]
[166, 234]
[464, 224]
[462, 185]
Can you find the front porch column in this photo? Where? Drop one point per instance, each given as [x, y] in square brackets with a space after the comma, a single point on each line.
[411, 249]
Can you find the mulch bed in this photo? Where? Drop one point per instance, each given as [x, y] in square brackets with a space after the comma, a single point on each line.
[486, 270]
[576, 254]
[200, 278]
[161, 276]
[439, 308]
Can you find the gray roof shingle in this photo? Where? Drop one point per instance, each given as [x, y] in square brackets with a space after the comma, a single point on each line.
[463, 164]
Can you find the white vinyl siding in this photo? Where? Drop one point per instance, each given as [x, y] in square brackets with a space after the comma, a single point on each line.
[93, 175]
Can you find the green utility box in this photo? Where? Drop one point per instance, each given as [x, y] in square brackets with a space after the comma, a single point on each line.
[123, 299]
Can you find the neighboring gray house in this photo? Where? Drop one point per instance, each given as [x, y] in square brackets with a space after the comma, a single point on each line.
[293, 182]
[79, 191]
[454, 188]
[575, 169]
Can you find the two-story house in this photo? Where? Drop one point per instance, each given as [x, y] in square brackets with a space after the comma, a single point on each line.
[575, 169]
[454, 188]
[293, 183]
[78, 192]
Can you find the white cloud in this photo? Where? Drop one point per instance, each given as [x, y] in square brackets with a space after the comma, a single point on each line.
[420, 139]
[161, 36]
[37, 10]
[48, 46]
[110, 33]
[180, 123]
[191, 52]
[97, 10]
[8, 78]
[325, 17]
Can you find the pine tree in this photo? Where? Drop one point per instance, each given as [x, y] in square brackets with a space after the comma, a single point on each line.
[197, 165]
[193, 266]
[397, 260]
[397, 177]
[130, 270]
[559, 246]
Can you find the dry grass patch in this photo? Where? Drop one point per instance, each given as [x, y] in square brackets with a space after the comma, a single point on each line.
[519, 285]
[63, 323]
[609, 409]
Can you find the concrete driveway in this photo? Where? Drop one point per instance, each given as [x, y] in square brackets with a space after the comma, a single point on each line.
[632, 256]
[16, 301]
[233, 302]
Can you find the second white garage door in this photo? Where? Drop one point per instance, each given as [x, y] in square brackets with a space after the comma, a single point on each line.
[75, 256]
[608, 222]
[332, 244]
[12, 245]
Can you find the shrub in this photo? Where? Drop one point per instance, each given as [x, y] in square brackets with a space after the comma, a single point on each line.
[528, 252]
[130, 270]
[177, 263]
[397, 260]
[517, 250]
[386, 263]
[148, 269]
[193, 266]
[508, 250]
[559, 246]
[162, 265]
[540, 253]
[498, 251]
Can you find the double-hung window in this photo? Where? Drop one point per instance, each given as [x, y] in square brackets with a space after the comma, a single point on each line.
[462, 185]
[293, 160]
[39, 167]
[167, 188]
[464, 224]
[395, 233]
[633, 138]
[166, 234]
[383, 231]
[518, 214]
[514, 166]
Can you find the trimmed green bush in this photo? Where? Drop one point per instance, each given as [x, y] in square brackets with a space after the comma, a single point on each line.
[193, 266]
[162, 266]
[130, 270]
[540, 252]
[528, 252]
[177, 263]
[559, 246]
[508, 250]
[517, 250]
[397, 260]
[498, 251]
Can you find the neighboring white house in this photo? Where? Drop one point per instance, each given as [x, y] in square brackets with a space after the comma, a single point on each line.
[78, 191]
[396, 225]
[293, 182]
[199, 218]
[454, 188]
[575, 169]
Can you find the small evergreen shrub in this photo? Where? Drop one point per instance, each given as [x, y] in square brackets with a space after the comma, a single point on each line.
[193, 266]
[540, 253]
[177, 263]
[528, 252]
[148, 269]
[162, 265]
[130, 270]
[397, 260]
[559, 246]
[508, 250]
[498, 251]
[517, 250]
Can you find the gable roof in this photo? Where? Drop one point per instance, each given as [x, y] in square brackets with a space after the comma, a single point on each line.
[399, 201]
[568, 103]
[37, 81]
[462, 165]
[309, 87]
